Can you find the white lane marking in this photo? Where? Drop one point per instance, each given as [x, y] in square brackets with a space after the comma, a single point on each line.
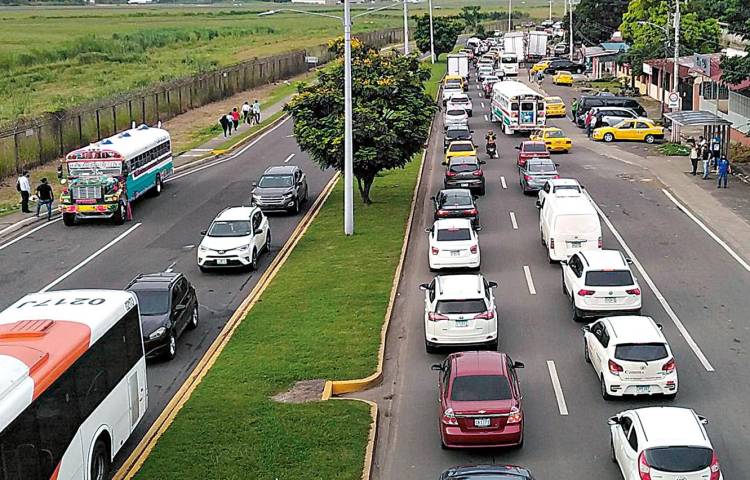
[201, 150]
[486, 118]
[8, 244]
[479, 87]
[482, 104]
[90, 258]
[672, 315]
[192, 155]
[557, 388]
[231, 157]
[513, 221]
[291, 156]
[529, 280]
[711, 234]
[502, 182]
[291, 136]
[170, 268]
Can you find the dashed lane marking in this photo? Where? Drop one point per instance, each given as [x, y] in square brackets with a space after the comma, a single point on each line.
[291, 155]
[561, 405]
[502, 182]
[513, 221]
[529, 280]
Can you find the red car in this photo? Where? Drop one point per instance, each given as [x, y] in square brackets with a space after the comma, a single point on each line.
[529, 149]
[480, 401]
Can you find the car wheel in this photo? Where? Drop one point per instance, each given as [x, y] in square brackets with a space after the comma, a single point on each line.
[254, 262]
[492, 346]
[649, 139]
[541, 238]
[295, 207]
[520, 445]
[605, 394]
[429, 348]
[171, 350]
[576, 311]
[193, 324]
[481, 190]
[612, 455]
[267, 246]
[100, 461]
[202, 268]
[586, 352]
[158, 185]
[562, 282]
[443, 446]
[549, 258]
[119, 217]
[608, 137]
[69, 219]
[670, 396]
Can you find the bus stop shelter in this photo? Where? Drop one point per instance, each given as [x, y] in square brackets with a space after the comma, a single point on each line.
[712, 125]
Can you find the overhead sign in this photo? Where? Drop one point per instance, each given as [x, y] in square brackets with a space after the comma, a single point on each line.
[311, 60]
[647, 69]
[673, 100]
[702, 63]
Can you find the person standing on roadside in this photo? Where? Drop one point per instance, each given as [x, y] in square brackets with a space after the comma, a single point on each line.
[706, 161]
[225, 125]
[23, 186]
[256, 111]
[693, 156]
[715, 150]
[587, 123]
[45, 196]
[246, 109]
[574, 109]
[235, 118]
[724, 169]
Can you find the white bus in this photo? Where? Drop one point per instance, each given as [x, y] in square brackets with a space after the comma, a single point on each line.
[517, 107]
[72, 383]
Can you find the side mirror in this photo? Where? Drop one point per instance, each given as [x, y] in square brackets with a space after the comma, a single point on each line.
[703, 420]
[482, 162]
[518, 147]
[436, 367]
[586, 328]
[660, 326]
[478, 229]
[424, 286]
[538, 204]
[428, 230]
[583, 188]
[563, 262]
[203, 232]
[255, 184]
[611, 421]
[432, 198]
[475, 197]
[471, 131]
[492, 284]
[518, 365]
[557, 165]
[629, 260]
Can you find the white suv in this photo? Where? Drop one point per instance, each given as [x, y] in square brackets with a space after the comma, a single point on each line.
[236, 238]
[599, 283]
[453, 244]
[667, 443]
[461, 100]
[630, 357]
[459, 310]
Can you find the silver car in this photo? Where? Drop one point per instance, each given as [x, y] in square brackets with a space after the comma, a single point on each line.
[611, 116]
[455, 116]
[535, 173]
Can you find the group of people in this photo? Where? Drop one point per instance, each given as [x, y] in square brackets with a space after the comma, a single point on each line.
[249, 114]
[44, 194]
[590, 121]
[710, 154]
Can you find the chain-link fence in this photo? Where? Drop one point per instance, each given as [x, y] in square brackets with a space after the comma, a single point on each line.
[29, 143]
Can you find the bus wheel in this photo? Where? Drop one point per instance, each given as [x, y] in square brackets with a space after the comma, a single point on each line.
[69, 219]
[158, 185]
[119, 217]
[99, 462]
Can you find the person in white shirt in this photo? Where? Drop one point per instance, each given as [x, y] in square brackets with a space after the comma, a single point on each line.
[246, 112]
[23, 186]
[256, 111]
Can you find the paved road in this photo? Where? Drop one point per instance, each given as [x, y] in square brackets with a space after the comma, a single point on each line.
[700, 282]
[167, 237]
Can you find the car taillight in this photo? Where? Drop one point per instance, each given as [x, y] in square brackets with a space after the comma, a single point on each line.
[585, 293]
[614, 367]
[515, 415]
[472, 211]
[449, 418]
[644, 470]
[527, 177]
[478, 173]
[485, 316]
[669, 366]
[715, 469]
[599, 242]
[450, 174]
[474, 248]
[435, 250]
[552, 243]
[442, 213]
[556, 176]
[434, 317]
[633, 291]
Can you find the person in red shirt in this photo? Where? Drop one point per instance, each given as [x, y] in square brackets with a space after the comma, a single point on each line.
[235, 118]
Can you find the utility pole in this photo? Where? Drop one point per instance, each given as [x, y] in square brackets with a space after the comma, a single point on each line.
[570, 36]
[432, 36]
[550, 10]
[676, 70]
[348, 148]
[406, 29]
[510, 7]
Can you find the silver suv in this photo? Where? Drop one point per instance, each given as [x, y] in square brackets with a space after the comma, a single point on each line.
[281, 188]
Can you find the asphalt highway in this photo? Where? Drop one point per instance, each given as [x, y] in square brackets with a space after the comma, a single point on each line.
[691, 286]
[164, 235]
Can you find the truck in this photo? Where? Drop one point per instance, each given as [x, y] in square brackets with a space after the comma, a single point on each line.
[458, 64]
[536, 46]
[514, 43]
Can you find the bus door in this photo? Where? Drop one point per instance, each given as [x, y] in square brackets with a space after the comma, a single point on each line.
[527, 113]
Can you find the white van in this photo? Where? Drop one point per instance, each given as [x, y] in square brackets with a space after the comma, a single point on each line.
[568, 225]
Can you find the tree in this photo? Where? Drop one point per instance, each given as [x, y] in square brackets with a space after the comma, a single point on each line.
[737, 16]
[595, 21]
[391, 113]
[445, 32]
[471, 15]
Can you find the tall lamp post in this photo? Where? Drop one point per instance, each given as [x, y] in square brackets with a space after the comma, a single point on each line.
[665, 30]
[432, 36]
[406, 29]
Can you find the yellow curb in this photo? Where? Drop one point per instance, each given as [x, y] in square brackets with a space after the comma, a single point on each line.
[136, 459]
[219, 152]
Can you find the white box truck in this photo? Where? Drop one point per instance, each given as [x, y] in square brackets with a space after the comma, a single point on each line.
[513, 42]
[458, 64]
[537, 46]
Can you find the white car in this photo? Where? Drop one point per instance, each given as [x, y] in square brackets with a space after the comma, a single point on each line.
[455, 116]
[449, 91]
[461, 100]
[662, 443]
[600, 283]
[630, 357]
[235, 238]
[453, 244]
[490, 79]
[559, 187]
[485, 71]
[459, 310]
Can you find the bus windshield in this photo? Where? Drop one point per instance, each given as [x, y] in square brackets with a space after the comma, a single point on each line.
[80, 168]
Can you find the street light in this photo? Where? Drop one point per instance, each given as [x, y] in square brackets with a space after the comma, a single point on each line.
[665, 30]
[432, 37]
[348, 150]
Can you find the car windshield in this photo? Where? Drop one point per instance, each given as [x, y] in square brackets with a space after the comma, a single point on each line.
[231, 228]
[457, 307]
[479, 388]
[555, 134]
[611, 278]
[539, 167]
[275, 181]
[640, 352]
[457, 199]
[534, 147]
[152, 302]
[456, 112]
[453, 234]
[461, 147]
[679, 459]
[577, 224]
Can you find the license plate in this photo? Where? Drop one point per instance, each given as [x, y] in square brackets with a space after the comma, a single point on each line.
[642, 389]
[462, 323]
[575, 244]
[221, 261]
[464, 185]
[481, 422]
[455, 253]
[610, 300]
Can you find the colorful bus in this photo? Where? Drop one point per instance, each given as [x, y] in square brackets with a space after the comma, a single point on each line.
[103, 178]
[72, 383]
[517, 107]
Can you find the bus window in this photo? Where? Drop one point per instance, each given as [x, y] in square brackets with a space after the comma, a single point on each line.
[527, 106]
[514, 107]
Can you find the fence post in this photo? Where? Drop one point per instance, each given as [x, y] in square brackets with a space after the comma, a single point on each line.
[60, 136]
[143, 109]
[114, 119]
[156, 96]
[39, 142]
[179, 98]
[169, 104]
[130, 112]
[80, 130]
[18, 155]
[98, 131]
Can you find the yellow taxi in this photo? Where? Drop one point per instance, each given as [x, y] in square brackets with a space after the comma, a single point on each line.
[554, 107]
[563, 78]
[540, 66]
[635, 129]
[449, 80]
[554, 138]
[460, 148]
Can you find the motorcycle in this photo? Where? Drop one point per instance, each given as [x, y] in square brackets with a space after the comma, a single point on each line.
[492, 150]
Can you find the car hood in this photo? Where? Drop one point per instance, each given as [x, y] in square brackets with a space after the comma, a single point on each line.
[149, 323]
[225, 243]
[272, 192]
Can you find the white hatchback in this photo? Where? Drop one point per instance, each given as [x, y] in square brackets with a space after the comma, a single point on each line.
[664, 443]
[455, 116]
[461, 100]
[600, 283]
[236, 238]
[453, 244]
[630, 357]
[459, 310]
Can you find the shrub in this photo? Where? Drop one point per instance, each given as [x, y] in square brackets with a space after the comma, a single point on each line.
[739, 153]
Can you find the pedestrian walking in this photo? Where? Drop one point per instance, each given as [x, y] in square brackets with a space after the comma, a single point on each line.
[230, 121]
[45, 197]
[706, 156]
[528, 70]
[246, 112]
[23, 186]
[724, 169]
[574, 109]
[587, 123]
[539, 77]
[694, 156]
[235, 118]
[256, 111]
[225, 125]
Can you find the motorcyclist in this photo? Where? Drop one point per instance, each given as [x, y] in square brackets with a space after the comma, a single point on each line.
[490, 138]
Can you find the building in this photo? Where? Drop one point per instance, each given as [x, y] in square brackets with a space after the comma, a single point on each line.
[601, 60]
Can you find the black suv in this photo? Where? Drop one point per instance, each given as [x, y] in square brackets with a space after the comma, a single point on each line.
[465, 172]
[587, 102]
[565, 65]
[168, 306]
[281, 188]
[456, 132]
[456, 203]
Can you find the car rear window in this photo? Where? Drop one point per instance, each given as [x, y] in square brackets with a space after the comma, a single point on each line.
[555, 134]
[612, 278]
[457, 307]
[537, 167]
[534, 147]
[559, 188]
[679, 459]
[457, 198]
[553, 100]
[577, 224]
[456, 111]
[453, 234]
[463, 167]
[478, 388]
[461, 147]
[640, 352]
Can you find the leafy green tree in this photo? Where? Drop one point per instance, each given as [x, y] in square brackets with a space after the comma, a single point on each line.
[391, 113]
[736, 13]
[472, 15]
[445, 32]
[595, 21]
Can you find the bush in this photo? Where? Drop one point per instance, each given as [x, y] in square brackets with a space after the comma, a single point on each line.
[739, 153]
[674, 150]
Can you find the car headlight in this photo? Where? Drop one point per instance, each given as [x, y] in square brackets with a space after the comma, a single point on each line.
[203, 249]
[288, 195]
[243, 248]
[157, 333]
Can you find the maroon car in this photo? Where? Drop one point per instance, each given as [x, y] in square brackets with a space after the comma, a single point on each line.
[480, 401]
[529, 149]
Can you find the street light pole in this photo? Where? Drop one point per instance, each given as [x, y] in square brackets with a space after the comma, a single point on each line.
[432, 36]
[550, 10]
[348, 152]
[676, 69]
[406, 29]
[510, 8]
[570, 37]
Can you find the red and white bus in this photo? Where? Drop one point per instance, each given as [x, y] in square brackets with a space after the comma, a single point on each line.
[72, 383]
